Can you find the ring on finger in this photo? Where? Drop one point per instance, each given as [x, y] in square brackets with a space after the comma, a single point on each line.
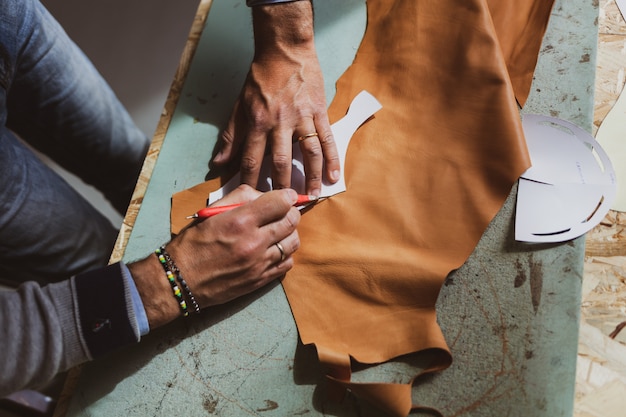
[308, 135]
[281, 250]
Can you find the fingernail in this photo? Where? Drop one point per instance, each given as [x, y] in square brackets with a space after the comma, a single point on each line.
[334, 175]
[293, 195]
[218, 157]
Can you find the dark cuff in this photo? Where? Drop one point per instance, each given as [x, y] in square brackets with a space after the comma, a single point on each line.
[252, 3]
[104, 318]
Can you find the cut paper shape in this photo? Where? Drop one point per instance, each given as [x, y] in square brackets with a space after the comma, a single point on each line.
[570, 186]
[612, 136]
[621, 5]
[363, 106]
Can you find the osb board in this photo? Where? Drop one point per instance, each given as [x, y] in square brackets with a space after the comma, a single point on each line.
[601, 367]
[611, 59]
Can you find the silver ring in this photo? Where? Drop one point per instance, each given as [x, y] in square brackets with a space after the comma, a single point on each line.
[282, 251]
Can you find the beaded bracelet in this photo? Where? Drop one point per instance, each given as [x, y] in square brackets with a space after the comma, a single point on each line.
[170, 269]
[170, 277]
[169, 262]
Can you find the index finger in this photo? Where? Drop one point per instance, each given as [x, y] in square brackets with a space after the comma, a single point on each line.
[242, 194]
[272, 205]
[229, 140]
[252, 157]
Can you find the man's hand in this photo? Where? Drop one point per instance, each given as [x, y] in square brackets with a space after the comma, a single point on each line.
[225, 256]
[282, 100]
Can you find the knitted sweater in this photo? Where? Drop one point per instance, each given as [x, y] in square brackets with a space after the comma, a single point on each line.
[47, 330]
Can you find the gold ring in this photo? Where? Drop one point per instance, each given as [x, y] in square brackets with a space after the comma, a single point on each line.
[282, 251]
[310, 135]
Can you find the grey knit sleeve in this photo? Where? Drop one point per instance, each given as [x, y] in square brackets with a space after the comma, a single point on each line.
[44, 331]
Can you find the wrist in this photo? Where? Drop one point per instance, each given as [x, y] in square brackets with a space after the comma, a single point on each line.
[284, 27]
[155, 291]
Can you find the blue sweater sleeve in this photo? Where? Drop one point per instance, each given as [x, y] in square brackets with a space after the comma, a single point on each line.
[140, 311]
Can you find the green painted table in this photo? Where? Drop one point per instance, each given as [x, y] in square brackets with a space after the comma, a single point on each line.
[510, 314]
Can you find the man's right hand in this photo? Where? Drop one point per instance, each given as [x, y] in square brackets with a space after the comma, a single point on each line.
[225, 256]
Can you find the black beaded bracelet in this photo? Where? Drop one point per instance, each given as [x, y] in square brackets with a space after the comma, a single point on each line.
[173, 273]
[170, 277]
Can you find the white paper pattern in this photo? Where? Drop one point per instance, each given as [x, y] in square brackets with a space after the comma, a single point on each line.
[363, 106]
[570, 186]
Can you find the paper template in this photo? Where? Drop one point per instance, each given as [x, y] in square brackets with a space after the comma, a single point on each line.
[612, 136]
[621, 5]
[362, 108]
[570, 186]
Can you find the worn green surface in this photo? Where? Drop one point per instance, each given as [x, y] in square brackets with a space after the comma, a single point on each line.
[510, 314]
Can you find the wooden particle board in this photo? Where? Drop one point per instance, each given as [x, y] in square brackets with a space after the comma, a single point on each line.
[601, 365]
[611, 59]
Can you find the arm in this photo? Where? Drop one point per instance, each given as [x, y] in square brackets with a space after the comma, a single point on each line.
[225, 256]
[282, 99]
[47, 330]
[44, 331]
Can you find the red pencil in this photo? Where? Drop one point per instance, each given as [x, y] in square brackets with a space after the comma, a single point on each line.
[212, 211]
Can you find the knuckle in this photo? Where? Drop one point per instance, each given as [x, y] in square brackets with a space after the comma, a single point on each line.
[286, 265]
[237, 226]
[327, 138]
[314, 178]
[247, 250]
[259, 118]
[262, 280]
[293, 218]
[281, 161]
[227, 137]
[333, 159]
[241, 225]
[249, 163]
[296, 243]
[313, 151]
[259, 121]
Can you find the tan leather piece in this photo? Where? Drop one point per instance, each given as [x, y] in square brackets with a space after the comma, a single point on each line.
[520, 27]
[424, 178]
[189, 201]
